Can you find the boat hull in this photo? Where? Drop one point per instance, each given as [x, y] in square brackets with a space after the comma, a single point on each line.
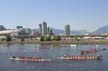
[31, 59]
[80, 58]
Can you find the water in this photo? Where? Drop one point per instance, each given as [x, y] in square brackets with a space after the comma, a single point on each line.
[50, 51]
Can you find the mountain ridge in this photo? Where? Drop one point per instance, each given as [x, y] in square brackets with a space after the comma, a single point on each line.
[100, 30]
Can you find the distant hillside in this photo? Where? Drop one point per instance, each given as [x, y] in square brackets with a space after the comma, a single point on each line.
[74, 32]
[103, 29]
[58, 31]
[2, 28]
[80, 32]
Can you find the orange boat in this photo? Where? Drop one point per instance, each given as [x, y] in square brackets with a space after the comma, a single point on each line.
[91, 51]
[98, 57]
[88, 51]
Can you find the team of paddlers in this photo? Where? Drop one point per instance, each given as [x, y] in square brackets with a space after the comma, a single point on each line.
[38, 59]
[91, 51]
[74, 57]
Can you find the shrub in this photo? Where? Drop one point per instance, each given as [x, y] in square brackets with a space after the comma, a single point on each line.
[42, 38]
[22, 39]
[9, 38]
[48, 38]
[57, 38]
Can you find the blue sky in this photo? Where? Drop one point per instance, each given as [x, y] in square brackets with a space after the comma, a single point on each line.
[80, 14]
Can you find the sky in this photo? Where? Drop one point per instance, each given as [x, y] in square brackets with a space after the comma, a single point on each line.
[79, 14]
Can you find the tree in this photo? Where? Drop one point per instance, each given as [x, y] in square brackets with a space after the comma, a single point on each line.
[9, 38]
[22, 39]
[48, 38]
[3, 39]
[57, 38]
[42, 38]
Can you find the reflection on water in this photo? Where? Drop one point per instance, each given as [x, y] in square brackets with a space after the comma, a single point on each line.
[51, 51]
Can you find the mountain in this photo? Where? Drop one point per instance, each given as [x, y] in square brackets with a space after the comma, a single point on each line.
[2, 28]
[74, 32]
[58, 31]
[80, 32]
[103, 29]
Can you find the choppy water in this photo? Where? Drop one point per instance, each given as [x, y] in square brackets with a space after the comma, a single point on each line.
[50, 51]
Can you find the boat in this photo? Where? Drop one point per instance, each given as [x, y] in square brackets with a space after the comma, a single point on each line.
[98, 57]
[30, 59]
[88, 51]
[92, 51]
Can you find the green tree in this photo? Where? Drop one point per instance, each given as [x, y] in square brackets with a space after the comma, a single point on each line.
[3, 39]
[9, 38]
[48, 38]
[42, 38]
[57, 38]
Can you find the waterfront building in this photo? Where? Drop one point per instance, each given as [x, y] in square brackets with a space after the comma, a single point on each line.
[67, 30]
[48, 30]
[24, 32]
[51, 32]
[12, 33]
[40, 29]
[44, 28]
[35, 33]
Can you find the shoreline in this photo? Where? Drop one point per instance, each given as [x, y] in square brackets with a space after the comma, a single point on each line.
[57, 42]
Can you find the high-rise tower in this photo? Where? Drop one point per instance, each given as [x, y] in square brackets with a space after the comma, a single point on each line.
[67, 30]
[44, 28]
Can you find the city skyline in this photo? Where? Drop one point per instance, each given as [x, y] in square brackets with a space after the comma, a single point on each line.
[79, 14]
